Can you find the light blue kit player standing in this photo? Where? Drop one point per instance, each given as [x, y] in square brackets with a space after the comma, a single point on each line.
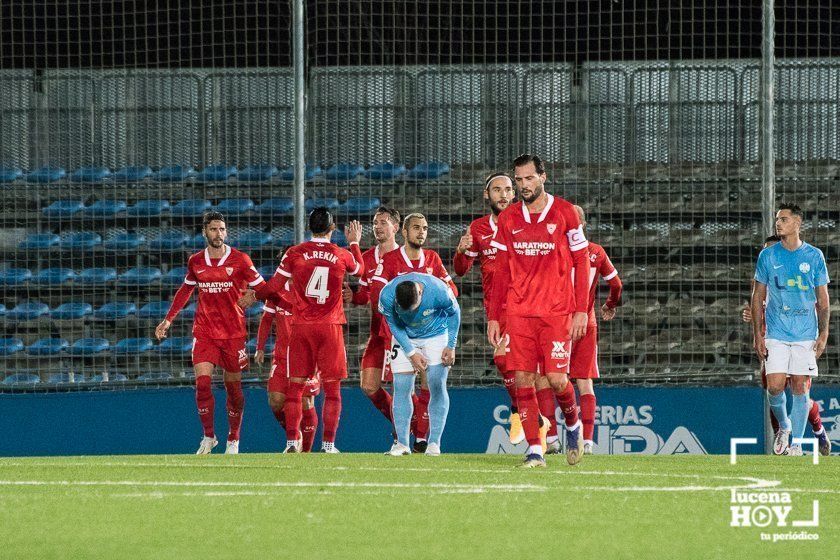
[791, 277]
[424, 318]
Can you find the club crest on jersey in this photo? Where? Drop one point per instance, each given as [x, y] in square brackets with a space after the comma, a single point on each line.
[229, 270]
[551, 228]
[804, 268]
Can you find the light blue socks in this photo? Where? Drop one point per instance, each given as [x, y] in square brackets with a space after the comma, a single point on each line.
[403, 406]
[438, 401]
[778, 404]
[799, 415]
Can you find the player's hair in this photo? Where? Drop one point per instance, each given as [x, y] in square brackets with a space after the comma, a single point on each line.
[525, 159]
[412, 216]
[406, 294]
[794, 208]
[320, 220]
[772, 239]
[393, 214]
[210, 217]
[495, 175]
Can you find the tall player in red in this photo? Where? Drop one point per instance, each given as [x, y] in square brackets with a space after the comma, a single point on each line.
[540, 242]
[316, 344]
[277, 312]
[386, 224]
[221, 274]
[476, 243]
[583, 367]
[412, 257]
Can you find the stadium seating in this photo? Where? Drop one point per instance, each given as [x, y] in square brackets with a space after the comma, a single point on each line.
[140, 276]
[27, 311]
[174, 173]
[252, 240]
[10, 174]
[155, 377]
[385, 171]
[175, 276]
[275, 207]
[311, 172]
[132, 174]
[53, 276]
[80, 241]
[115, 310]
[234, 206]
[89, 347]
[63, 209]
[148, 208]
[153, 310]
[90, 174]
[179, 345]
[64, 378]
[105, 208]
[71, 311]
[343, 172]
[133, 346]
[112, 378]
[48, 347]
[257, 173]
[216, 173]
[46, 174]
[328, 203]
[38, 241]
[15, 276]
[190, 208]
[169, 241]
[9, 346]
[125, 242]
[428, 170]
[360, 205]
[96, 276]
[22, 379]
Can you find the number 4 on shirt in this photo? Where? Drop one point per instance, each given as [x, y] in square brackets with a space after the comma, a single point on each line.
[317, 285]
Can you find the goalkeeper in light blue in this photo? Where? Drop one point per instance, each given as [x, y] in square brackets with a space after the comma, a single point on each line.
[424, 318]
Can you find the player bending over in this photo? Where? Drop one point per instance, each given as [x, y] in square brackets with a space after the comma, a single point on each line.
[424, 318]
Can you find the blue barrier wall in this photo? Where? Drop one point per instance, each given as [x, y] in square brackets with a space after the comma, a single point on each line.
[630, 420]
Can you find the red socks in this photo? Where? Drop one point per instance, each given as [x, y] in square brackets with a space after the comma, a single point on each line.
[309, 426]
[332, 408]
[205, 403]
[382, 400]
[548, 408]
[587, 415]
[508, 377]
[421, 411]
[281, 418]
[814, 416]
[293, 410]
[529, 413]
[568, 404]
[235, 405]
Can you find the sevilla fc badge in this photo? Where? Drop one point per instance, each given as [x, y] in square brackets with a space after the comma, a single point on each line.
[229, 270]
[551, 228]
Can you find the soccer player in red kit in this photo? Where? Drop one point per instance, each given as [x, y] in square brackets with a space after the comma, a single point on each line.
[277, 312]
[221, 274]
[583, 367]
[540, 243]
[316, 343]
[412, 257]
[386, 224]
[476, 243]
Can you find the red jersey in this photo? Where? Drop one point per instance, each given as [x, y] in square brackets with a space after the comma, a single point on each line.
[220, 283]
[601, 267]
[371, 259]
[317, 270]
[276, 312]
[537, 253]
[482, 230]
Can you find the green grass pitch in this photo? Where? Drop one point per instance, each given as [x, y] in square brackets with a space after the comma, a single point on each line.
[371, 506]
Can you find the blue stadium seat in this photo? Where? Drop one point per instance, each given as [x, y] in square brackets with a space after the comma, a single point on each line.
[10, 174]
[148, 208]
[344, 172]
[63, 209]
[190, 207]
[131, 173]
[27, 311]
[64, 378]
[216, 173]
[258, 173]
[89, 346]
[90, 174]
[234, 206]
[288, 173]
[254, 311]
[267, 271]
[157, 376]
[313, 203]
[175, 276]
[2, 310]
[428, 170]
[251, 346]
[171, 240]
[275, 207]
[115, 310]
[176, 345]
[197, 243]
[80, 241]
[385, 171]
[36, 241]
[286, 239]
[252, 240]
[48, 347]
[133, 346]
[112, 378]
[154, 310]
[360, 205]
[125, 242]
[53, 276]
[105, 208]
[46, 174]
[189, 311]
[140, 276]
[22, 379]
[174, 173]
[96, 276]
[71, 310]
[9, 346]
[14, 276]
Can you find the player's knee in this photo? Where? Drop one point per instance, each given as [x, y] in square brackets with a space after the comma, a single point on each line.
[369, 384]
[308, 403]
[276, 401]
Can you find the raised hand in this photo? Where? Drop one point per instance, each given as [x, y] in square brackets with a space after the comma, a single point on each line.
[465, 243]
[353, 231]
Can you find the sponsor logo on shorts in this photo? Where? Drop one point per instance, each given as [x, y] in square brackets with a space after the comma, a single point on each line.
[559, 352]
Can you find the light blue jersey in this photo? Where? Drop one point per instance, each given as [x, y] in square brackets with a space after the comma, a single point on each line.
[437, 314]
[791, 278]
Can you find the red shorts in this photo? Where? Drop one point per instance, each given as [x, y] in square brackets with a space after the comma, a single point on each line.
[374, 357]
[317, 348]
[584, 361]
[229, 354]
[278, 381]
[539, 344]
